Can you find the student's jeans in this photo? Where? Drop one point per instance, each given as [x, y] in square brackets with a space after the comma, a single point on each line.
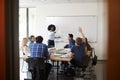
[51, 43]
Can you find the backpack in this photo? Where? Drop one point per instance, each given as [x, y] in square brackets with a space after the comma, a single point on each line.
[94, 59]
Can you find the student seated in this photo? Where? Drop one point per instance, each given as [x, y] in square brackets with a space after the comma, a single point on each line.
[71, 41]
[78, 54]
[39, 50]
[69, 45]
[78, 51]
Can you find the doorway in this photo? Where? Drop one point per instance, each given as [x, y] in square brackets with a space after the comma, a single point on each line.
[12, 38]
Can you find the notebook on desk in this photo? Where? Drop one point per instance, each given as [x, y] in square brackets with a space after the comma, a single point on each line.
[64, 56]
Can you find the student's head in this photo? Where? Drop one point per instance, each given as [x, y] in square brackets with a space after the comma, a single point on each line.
[70, 36]
[78, 41]
[32, 38]
[39, 39]
[51, 27]
[24, 42]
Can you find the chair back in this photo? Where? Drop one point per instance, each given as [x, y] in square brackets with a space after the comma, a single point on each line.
[86, 60]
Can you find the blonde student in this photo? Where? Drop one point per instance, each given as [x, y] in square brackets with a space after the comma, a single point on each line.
[24, 47]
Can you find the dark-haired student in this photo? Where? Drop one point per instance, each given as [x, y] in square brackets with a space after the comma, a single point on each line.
[69, 45]
[71, 41]
[40, 50]
[32, 39]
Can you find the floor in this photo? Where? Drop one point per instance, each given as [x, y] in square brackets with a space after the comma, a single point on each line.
[97, 73]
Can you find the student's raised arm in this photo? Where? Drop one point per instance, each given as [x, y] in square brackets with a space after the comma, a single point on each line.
[84, 38]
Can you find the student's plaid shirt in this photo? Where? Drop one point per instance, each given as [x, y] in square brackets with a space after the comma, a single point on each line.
[39, 50]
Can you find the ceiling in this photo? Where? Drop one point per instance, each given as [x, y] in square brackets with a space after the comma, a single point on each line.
[58, 1]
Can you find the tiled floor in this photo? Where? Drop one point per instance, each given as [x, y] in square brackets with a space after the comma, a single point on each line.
[97, 74]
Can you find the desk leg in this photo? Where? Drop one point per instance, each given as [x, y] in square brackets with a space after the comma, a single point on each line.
[57, 68]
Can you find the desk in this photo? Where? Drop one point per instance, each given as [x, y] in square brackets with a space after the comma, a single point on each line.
[59, 58]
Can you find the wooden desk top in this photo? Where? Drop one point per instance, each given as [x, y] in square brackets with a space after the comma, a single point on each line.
[52, 58]
[55, 58]
[60, 59]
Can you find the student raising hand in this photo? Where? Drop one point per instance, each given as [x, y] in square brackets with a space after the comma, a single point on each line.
[80, 30]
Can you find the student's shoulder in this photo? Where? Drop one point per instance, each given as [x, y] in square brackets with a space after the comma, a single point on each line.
[73, 40]
[83, 44]
[31, 44]
[44, 45]
[74, 46]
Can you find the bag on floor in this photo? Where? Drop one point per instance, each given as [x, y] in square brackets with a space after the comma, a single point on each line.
[94, 60]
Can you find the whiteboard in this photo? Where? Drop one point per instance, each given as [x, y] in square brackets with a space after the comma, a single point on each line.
[69, 25]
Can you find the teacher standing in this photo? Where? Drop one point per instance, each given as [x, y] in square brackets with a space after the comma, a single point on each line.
[51, 29]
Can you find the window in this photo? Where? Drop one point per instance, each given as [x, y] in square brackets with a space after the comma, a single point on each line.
[26, 22]
[26, 28]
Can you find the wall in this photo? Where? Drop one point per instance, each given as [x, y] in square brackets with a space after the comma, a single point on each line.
[2, 41]
[73, 9]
